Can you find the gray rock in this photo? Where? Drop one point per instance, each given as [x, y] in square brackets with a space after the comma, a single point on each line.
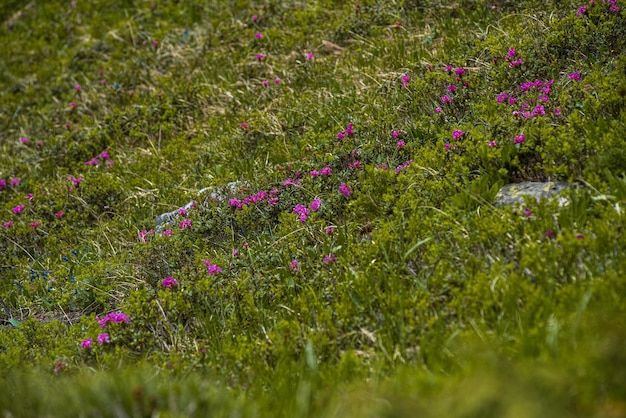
[514, 193]
[211, 193]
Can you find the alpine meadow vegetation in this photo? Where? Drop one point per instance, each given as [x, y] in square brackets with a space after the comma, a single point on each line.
[347, 259]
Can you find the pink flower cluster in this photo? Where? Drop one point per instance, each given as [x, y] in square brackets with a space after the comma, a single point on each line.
[302, 211]
[536, 92]
[348, 132]
[326, 171]
[403, 166]
[169, 282]
[212, 269]
[104, 155]
[254, 199]
[114, 317]
[405, 80]
[345, 189]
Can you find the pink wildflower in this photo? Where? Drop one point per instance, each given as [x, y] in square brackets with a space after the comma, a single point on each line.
[185, 224]
[212, 269]
[395, 134]
[243, 125]
[502, 97]
[401, 144]
[457, 134]
[259, 57]
[329, 230]
[8, 224]
[254, 18]
[18, 209]
[316, 204]
[265, 83]
[326, 171]
[24, 140]
[492, 144]
[446, 99]
[293, 265]
[315, 173]
[519, 139]
[575, 76]
[258, 35]
[510, 54]
[114, 317]
[88, 343]
[15, 182]
[167, 232]
[104, 155]
[329, 258]
[235, 252]
[72, 104]
[451, 88]
[309, 56]
[103, 338]
[405, 80]
[345, 189]
[34, 224]
[581, 11]
[447, 146]
[438, 110]
[182, 212]
[169, 282]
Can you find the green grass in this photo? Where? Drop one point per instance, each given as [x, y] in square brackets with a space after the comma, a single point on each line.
[413, 295]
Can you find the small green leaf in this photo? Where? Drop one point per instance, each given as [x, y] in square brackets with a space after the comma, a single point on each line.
[14, 322]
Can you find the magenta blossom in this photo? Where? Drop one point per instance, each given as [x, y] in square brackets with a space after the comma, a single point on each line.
[18, 209]
[451, 88]
[87, 343]
[302, 211]
[212, 269]
[24, 140]
[345, 189]
[114, 317]
[8, 224]
[293, 265]
[185, 224]
[519, 139]
[169, 282]
[34, 224]
[103, 338]
[15, 182]
[457, 134]
[326, 171]
[329, 258]
[575, 76]
[330, 230]
[316, 204]
[438, 110]
[258, 35]
[446, 99]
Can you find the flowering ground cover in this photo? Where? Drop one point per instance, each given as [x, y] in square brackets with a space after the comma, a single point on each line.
[361, 268]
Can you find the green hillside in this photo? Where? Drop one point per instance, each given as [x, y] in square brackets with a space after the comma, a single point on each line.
[286, 208]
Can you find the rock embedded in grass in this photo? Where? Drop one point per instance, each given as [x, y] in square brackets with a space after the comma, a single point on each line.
[514, 193]
[211, 193]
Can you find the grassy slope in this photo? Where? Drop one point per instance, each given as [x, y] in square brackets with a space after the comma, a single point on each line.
[437, 302]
